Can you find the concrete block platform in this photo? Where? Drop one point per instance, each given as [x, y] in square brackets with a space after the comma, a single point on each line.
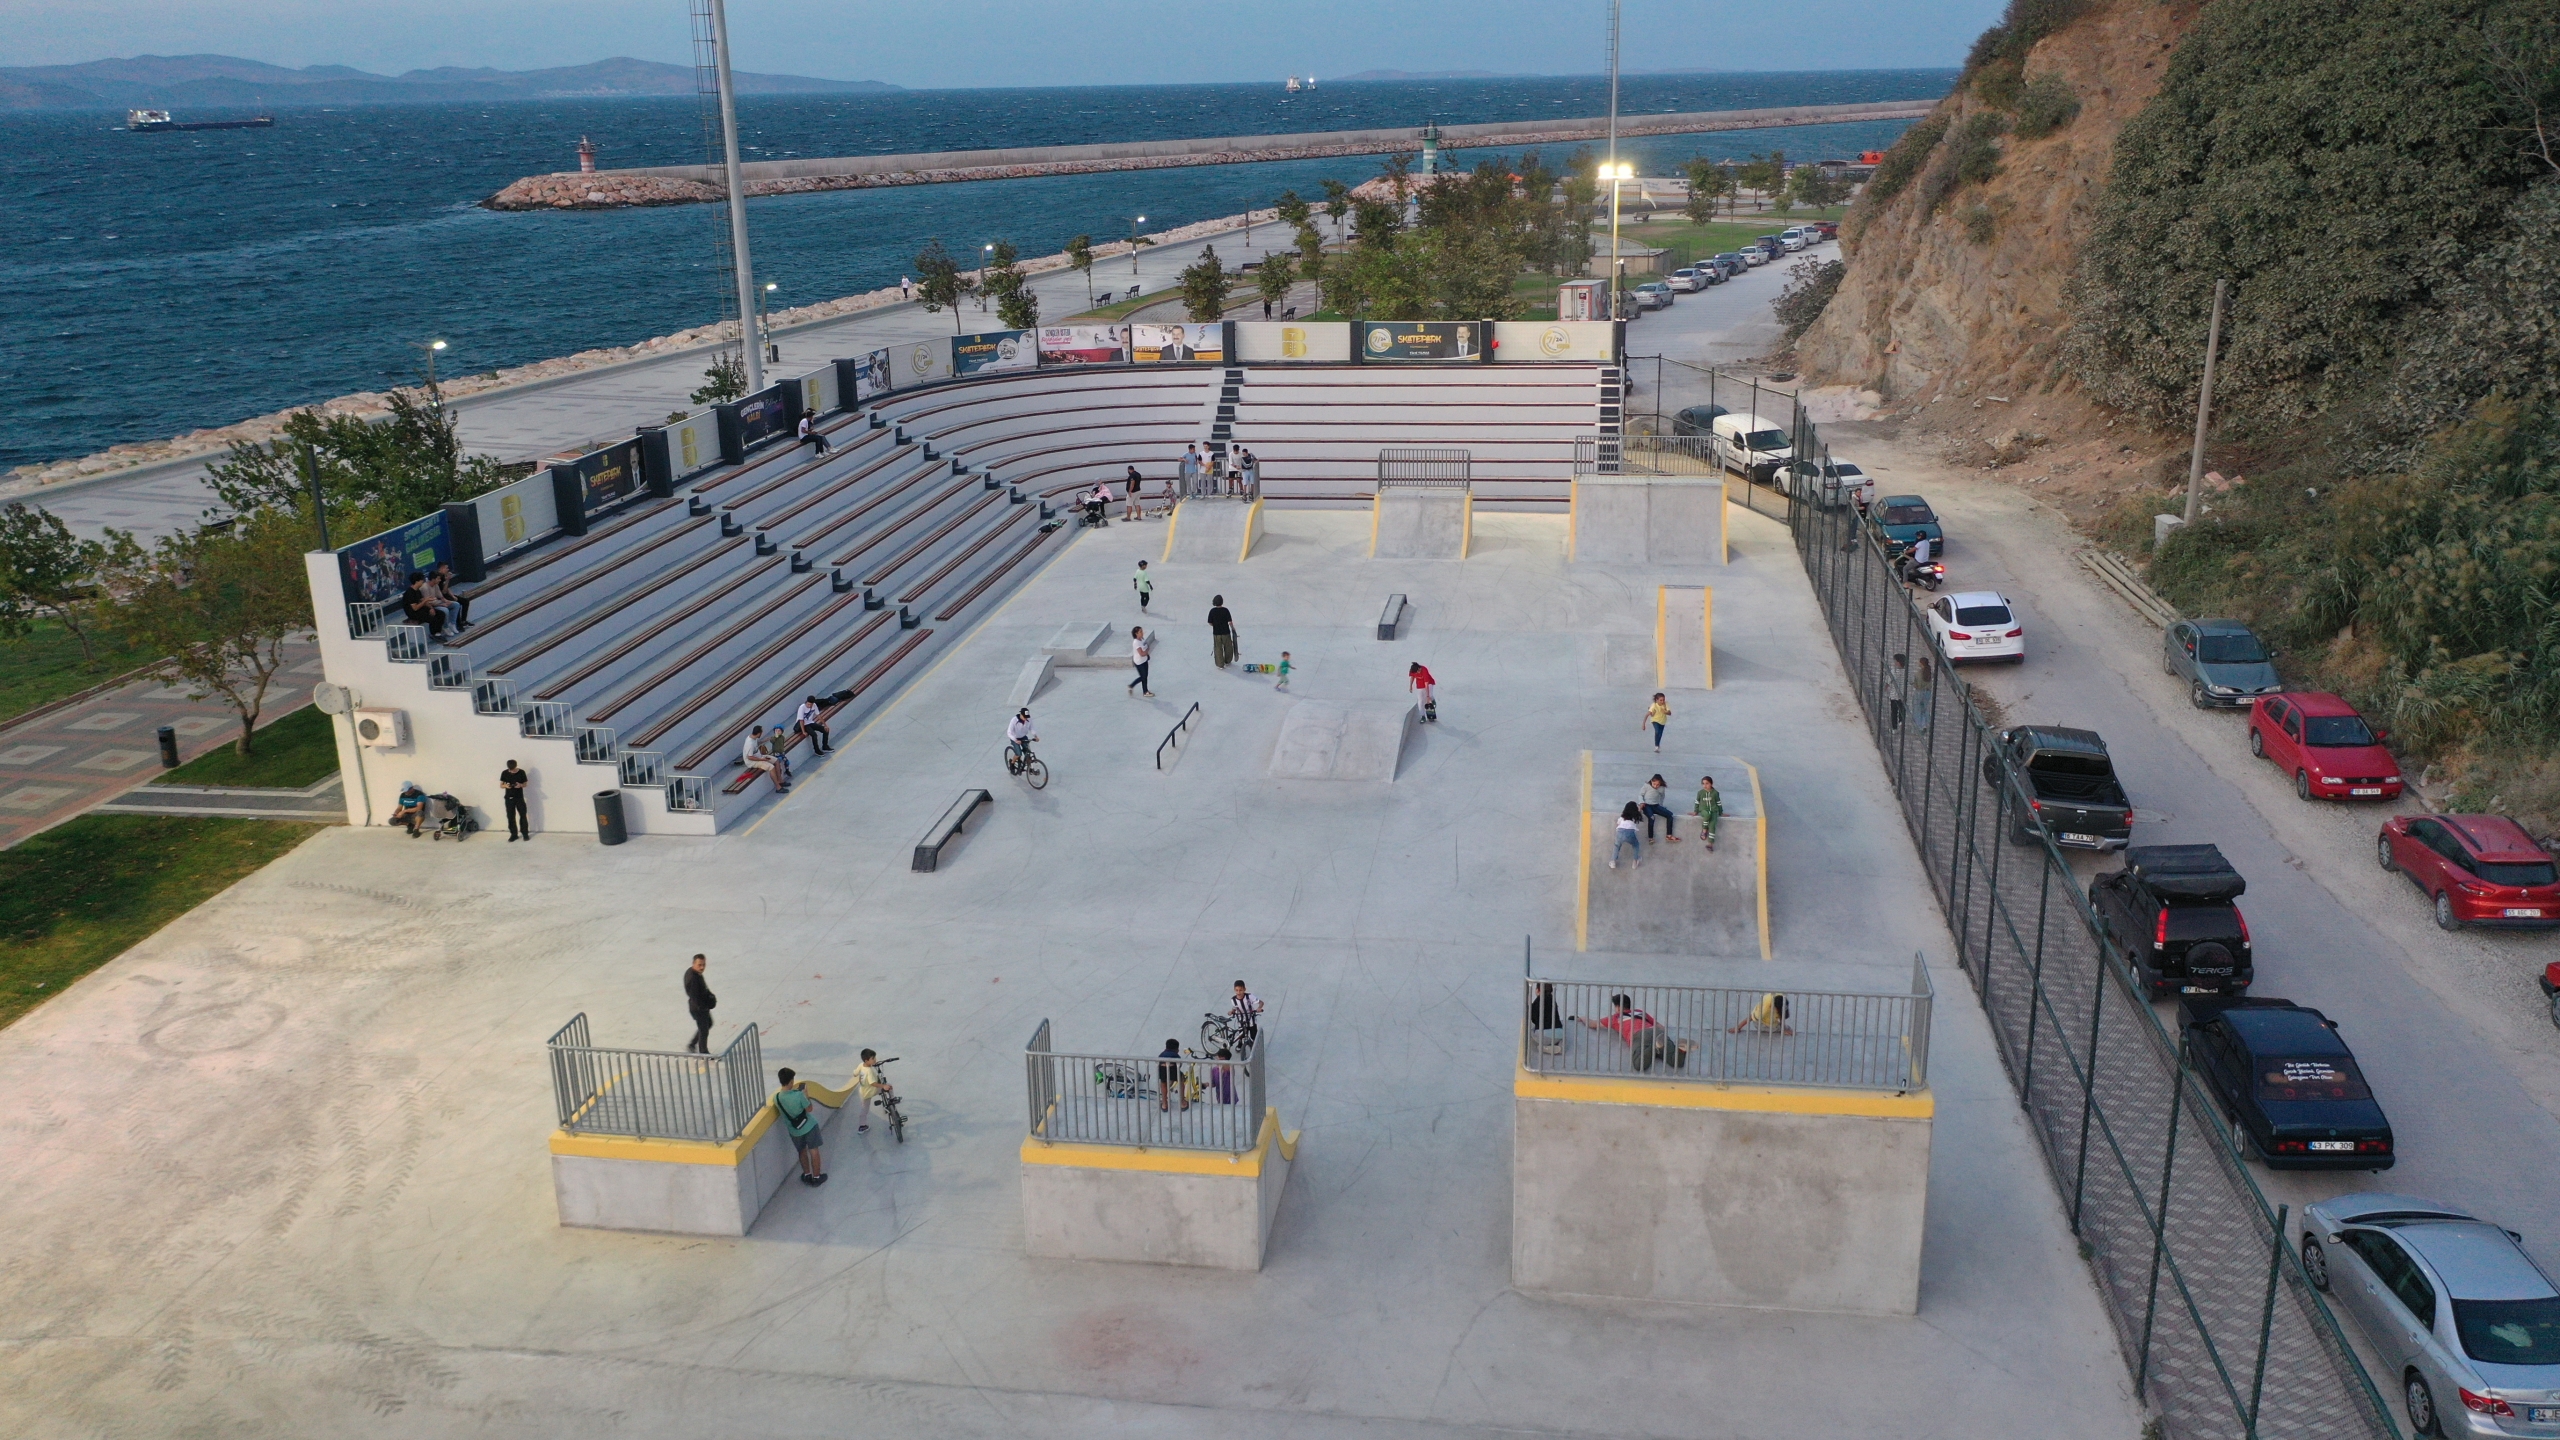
[1648, 520]
[1324, 740]
[1421, 522]
[1155, 1206]
[1682, 899]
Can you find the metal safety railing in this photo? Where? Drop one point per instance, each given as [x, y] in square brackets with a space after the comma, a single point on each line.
[1173, 736]
[2221, 1330]
[1423, 465]
[655, 1094]
[689, 792]
[494, 695]
[366, 618]
[1184, 1101]
[448, 670]
[1835, 1039]
[641, 767]
[546, 719]
[596, 744]
[406, 643]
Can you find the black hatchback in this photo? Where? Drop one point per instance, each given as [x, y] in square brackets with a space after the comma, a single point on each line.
[2289, 1086]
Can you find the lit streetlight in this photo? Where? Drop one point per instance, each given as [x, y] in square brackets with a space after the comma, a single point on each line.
[1134, 222]
[1616, 175]
[429, 349]
[762, 328]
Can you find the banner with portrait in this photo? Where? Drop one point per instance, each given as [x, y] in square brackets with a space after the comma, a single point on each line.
[1150, 344]
[994, 350]
[378, 567]
[1390, 340]
[1084, 344]
[870, 376]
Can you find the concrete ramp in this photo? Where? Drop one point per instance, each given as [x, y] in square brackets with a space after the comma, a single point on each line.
[1647, 520]
[1683, 638]
[1210, 528]
[1681, 900]
[1421, 522]
[1321, 740]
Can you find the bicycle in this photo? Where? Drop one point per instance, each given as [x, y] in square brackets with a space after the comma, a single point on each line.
[1121, 1082]
[1227, 1031]
[886, 1101]
[1018, 760]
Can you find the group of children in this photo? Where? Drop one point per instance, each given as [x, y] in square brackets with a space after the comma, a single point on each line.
[1708, 807]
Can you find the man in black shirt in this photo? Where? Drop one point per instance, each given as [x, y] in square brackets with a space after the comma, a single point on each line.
[511, 783]
[1222, 632]
[699, 999]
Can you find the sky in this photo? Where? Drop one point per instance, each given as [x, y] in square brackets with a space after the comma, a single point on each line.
[963, 43]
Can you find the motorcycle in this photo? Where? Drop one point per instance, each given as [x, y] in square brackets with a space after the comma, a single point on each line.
[1928, 574]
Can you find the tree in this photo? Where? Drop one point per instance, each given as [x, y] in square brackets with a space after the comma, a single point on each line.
[405, 463]
[219, 603]
[1758, 176]
[1080, 256]
[1708, 182]
[1017, 306]
[1205, 286]
[1812, 186]
[1293, 212]
[1810, 286]
[1274, 279]
[45, 568]
[725, 380]
[1311, 264]
[1337, 203]
[942, 284]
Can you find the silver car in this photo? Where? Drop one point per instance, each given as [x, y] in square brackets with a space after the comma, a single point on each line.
[2221, 661]
[2465, 1322]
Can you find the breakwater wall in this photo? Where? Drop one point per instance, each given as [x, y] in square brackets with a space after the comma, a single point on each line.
[693, 184]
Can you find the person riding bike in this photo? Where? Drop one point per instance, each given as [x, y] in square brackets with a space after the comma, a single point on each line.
[1018, 737]
[1915, 557]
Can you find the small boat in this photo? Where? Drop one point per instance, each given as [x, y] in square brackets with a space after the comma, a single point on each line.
[1311, 82]
[159, 120]
[1293, 85]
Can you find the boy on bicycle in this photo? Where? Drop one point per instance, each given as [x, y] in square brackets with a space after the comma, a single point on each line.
[866, 1086]
[1018, 737]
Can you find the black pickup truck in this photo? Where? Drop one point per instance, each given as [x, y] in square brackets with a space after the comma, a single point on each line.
[2066, 785]
[2169, 919]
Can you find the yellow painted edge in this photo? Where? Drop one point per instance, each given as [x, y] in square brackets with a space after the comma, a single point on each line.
[1080, 1155]
[1252, 524]
[1707, 631]
[1170, 521]
[1760, 821]
[689, 1152]
[1582, 891]
[1697, 1095]
[1467, 526]
[1572, 508]
[1377, 502]
[1662, 636]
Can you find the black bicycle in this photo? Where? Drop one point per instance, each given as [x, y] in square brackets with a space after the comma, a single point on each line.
[886, 1101]
[1018, 760]
[1229, 1032]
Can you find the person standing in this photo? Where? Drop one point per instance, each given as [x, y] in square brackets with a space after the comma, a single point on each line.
[1283, 682]
[1657, 715]
[800, 1120]
[1627, 843]
[1709, 809]
[1418, 679]
[1134, 510]
[1169, 1077]
[906, 288]
[699, 1002]
[1142, 582]
[812, 725]
[1655, 793]
[511, 783]
[866, 1088]
[1252, 474]
[1188, 478]
[1246, 1007]
[1222, 632]
[1141, 650]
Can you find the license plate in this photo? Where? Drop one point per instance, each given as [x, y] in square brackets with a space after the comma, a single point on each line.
[2333, 1144]
[1986, 639]
[2366, 790]
[2083, 839]
[2199, 989]
[2527, 915]
[2542, 1414]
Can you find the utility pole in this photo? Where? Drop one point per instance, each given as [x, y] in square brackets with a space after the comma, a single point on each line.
[1617, 273]
[2204, 404]
[750, 347]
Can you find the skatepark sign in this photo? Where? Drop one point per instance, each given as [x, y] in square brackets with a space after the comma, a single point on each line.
[1387, 340]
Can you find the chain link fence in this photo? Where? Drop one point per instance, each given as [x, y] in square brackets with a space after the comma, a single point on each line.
[2222, 1334]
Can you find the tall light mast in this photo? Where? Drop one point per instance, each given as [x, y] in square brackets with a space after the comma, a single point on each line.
[752, 344]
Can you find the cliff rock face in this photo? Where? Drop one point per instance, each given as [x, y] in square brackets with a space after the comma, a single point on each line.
[1968, 299]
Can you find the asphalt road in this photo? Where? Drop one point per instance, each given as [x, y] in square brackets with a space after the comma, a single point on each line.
[2453, 1034]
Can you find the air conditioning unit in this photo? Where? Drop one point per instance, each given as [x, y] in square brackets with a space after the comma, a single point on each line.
[382, 729]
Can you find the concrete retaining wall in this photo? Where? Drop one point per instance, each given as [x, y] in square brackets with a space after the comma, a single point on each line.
[1648, 520]
[1785, 1199]
[1420, 522]
[610, 1182]
[1157, 1207]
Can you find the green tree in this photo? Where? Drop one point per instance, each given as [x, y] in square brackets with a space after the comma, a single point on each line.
[1311, 261]
[1760, 175]
[1205, 286]
[1080, 257]
[1337, 204]
[942, 284]
[725, 380]
[45, 569]
[1811, 186]
[1293, 212]
[1274, 278]
[404, 464]
[1017, 306]
[220, 604]
[1708, 183]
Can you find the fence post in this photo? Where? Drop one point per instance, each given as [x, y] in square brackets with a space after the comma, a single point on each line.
[2267, 1317]
[2035, 995]
[1991, 910]
[2088, 1089]
[2159, 1231]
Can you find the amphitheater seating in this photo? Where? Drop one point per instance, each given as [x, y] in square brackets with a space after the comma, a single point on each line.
[1318, 430]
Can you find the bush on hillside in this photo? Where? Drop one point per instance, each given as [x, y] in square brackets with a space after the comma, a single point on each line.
[2495, 328]
[1810, 286]
[1903, 162]
[2044, 106]
[1970, 156]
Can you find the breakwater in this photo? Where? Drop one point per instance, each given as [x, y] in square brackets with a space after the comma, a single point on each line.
[694, 184]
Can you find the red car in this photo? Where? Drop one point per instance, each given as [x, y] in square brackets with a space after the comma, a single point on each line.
[2325, 746]
[2479, 869]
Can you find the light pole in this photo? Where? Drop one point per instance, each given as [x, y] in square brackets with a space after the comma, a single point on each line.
[1618, 175]
[737, 185]
[1134, 222]
[764, 334]
[1615, 171]
[429, 347]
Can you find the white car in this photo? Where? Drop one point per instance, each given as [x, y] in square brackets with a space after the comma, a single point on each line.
[1687, 280]
[1978, 625]
[1794, 239]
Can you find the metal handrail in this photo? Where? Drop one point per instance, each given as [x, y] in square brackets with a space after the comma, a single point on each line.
[406, 643]
[689, 793]
[365, 617]
[494, 695]
[1176, 732]
[655, 1094]
[1832, 1039]
[1153, 1102]
[1421, 465]
[641, 767]
[448, 670]
[546, 720]
[595, 744]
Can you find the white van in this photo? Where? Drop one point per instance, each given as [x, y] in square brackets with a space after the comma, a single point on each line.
[1750, 446]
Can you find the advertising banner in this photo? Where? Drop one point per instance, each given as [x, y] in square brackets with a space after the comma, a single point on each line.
[693, 443]
[609, 476]
[1313, 341]
[1084, 344]
[870, 376]
[377, 568]
[1149, 344]
[514, 516]
[1520, 341]
[818, 392]
[917, 364]
[763, 417]
[994, 350]
[1387, 340]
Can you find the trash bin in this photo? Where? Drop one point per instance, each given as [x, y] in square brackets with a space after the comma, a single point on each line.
[169, 746]
[609, 826]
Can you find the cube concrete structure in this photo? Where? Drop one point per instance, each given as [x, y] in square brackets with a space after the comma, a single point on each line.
[1647, 520]
[1421, 522]
[1152, 1205]
[1773, 1197]
[679, 1187]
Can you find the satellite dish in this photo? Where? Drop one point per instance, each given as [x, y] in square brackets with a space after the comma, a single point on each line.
[332, 699]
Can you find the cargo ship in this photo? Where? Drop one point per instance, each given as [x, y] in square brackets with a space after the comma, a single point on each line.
[159, 120]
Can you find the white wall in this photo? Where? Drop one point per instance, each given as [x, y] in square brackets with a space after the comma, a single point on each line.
[514, 516]
[1519, 341]
[1294, 340]
[818, 390]
[693, 444]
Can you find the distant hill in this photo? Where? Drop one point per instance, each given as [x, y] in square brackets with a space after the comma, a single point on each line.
[209, 81]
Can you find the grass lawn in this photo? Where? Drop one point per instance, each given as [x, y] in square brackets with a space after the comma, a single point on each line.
[1687, 242]
[300, 749]
[1117, 310]
[80, 894]
[47, 666]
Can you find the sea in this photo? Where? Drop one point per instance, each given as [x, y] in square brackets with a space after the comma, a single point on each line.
[156, 283]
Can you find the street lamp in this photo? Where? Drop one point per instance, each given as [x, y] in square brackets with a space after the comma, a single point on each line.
[763, 330]
[1616, 175]
[429, 347]
[1134, 222]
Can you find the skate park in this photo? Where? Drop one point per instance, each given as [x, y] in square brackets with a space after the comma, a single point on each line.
[1381, 916]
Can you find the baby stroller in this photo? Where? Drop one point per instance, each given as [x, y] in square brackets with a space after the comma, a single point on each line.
[448, 816]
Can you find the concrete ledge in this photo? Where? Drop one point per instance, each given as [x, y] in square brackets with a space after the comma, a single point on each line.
[1155, 1206]
[1771, 1197]
[679, 1187]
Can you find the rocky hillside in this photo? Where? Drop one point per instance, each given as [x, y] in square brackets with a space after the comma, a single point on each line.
[1956, 286]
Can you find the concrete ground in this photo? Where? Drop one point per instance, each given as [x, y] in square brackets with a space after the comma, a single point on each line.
[280, 1170]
